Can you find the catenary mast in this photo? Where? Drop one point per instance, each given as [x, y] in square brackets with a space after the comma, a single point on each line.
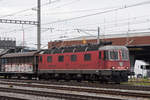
[39, 25]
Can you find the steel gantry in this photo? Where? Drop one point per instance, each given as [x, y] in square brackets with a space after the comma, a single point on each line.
[18, 22]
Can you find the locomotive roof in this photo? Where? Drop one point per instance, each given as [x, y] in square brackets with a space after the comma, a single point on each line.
[74, 48]
[82, 48]
[24, 54]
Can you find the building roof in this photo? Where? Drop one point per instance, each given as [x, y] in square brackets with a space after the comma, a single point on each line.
[134, 39]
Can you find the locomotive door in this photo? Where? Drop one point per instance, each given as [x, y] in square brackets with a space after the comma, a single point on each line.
[71, 61]
[101, 61]
[67, 60]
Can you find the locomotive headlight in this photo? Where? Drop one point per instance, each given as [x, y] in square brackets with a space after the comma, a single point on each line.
[127, 67]
[113, 67]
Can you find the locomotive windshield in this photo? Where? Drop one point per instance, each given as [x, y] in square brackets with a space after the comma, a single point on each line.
[113, 55]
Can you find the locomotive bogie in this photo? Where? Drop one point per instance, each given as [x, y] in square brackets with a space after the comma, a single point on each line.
[101, 75]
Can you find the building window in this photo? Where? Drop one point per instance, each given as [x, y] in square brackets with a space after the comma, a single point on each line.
[49, 58]
[73, 57]
[61, 58]
[87, 57]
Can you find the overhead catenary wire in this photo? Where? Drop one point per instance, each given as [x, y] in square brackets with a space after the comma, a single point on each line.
[134, 30]
[55, 29]
[95, 34]
[21, 11]
[66, 4]
[102, 12]
[81, 36]
[147, 2]
[35, 8]
[120, 20]
[80, 11]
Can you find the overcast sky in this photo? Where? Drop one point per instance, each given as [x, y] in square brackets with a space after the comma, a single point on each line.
[117, 20]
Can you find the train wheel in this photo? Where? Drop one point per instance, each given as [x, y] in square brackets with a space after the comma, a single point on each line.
[9, 76]
[79, 80]
[104, 80]
[79, 77]
[124, 78]
[39, 77]
[19, 77]
[5, 76]
[116, 79]
[29, 77]
[67, 78]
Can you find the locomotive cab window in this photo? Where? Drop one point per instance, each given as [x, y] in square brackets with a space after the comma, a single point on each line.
[73, 57]
[87, 57]
[49, 58]
[60, 58]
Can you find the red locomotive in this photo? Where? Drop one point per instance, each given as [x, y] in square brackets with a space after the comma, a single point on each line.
[86, 62]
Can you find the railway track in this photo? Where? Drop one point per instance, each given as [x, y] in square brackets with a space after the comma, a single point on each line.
[139, 82]
[121, 92]
[10, 98]
[54, 94]
[83, 84]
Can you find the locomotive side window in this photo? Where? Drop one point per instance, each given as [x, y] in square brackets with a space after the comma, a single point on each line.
[49, 58]
[100, 55]
[73, 57]
[105, 55]
[40, 58]
[87, 57]
[60, 58]
[124, 54]
[114, 55]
